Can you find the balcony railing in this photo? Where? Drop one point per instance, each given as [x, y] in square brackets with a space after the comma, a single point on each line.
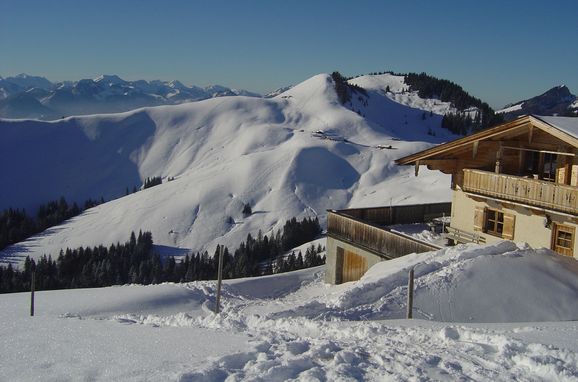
[532, 192]
[362, 227]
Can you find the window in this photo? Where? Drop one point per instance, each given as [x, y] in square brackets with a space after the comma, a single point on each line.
[542, 165]
[563, 240]
[494, 222]
[549, 169]
[532, 163]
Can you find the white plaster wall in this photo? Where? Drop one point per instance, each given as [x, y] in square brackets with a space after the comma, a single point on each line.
[529, 225]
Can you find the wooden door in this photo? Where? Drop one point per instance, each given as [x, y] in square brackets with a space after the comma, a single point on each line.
[354, 266]
[563, 239]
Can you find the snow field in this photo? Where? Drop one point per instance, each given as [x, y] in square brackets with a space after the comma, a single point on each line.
[294, 327]
[392, 351]
[504, 282]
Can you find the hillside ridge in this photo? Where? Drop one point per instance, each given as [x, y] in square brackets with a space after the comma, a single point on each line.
[293, 155]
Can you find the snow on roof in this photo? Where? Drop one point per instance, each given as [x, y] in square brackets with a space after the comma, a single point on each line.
[567, 124]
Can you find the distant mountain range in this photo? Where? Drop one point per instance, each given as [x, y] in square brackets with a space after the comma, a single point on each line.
[32, 97]
[556, 101]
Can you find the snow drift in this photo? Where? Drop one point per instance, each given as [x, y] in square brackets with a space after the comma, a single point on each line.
[293, 326]
[503, 282]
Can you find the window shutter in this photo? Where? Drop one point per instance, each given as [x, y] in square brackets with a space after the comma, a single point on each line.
[479, 213]
[509, 223]
[561, 173]
[574, 175]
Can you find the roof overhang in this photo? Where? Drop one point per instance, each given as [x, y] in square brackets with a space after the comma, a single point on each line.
[520, 124]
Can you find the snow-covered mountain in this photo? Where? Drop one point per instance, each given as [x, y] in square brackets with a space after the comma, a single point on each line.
[276, 92]
[556, 101]
[25, 81]
[25, 96]
[25, 105]
[293, 155]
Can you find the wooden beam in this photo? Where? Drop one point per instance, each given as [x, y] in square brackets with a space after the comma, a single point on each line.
[475, 149]
[539, 151]
[439, 162]
[498, 168]
[487, 134]
[447, 166]
[562, 135]
[530, 133]
[416, 167]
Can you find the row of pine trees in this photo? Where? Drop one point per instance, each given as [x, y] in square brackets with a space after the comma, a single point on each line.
[428, 86]
[460, 122]
[136, 262]
[16, 225]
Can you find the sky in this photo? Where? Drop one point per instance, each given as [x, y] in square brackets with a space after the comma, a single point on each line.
[499, 51]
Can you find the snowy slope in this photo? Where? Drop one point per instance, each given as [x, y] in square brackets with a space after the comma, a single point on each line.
[419, 116]
[398, 92]
[297, 154]
[289, 326]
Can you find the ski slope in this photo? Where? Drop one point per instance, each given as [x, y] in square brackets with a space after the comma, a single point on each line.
[294, 155]
[294, 327]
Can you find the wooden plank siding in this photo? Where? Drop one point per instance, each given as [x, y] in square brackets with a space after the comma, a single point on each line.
[558, 197]
[372, 238]
[354, 266]
[408, 214]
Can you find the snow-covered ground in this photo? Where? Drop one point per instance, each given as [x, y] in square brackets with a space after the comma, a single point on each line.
[295, 327]
[421, 231]
[222, 153]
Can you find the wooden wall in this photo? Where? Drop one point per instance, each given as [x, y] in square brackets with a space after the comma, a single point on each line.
[350, 266]
[415, 213]
[372, 238]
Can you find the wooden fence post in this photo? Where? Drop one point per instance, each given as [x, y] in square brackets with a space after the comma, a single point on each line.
[410, 294]
[219, 280]
[32, 287]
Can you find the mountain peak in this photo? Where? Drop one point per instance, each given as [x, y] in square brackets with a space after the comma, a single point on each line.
[109, 78]
[557, 91]
[176, 84]
[555, 101]
[25, 81]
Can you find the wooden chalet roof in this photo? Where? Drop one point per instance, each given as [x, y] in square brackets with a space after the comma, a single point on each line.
[563, 128]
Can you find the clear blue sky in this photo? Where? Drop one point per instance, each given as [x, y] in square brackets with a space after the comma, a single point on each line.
[500, 51]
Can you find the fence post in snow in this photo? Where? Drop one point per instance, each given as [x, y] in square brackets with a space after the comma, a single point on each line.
[410, 294]
[219, 280]
[32, 287]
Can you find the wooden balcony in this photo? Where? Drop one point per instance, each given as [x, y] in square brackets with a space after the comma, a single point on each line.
[363, 228]
[533, 192]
